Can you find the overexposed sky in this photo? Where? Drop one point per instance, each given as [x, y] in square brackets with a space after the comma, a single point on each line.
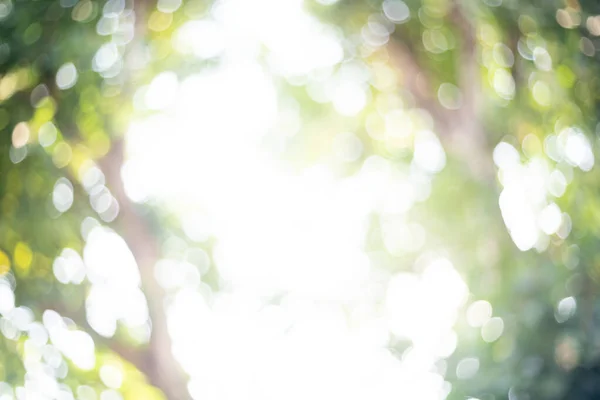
[295, 236]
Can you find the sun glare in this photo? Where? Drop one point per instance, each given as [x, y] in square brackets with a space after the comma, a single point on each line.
[298, 199]
[301, 312]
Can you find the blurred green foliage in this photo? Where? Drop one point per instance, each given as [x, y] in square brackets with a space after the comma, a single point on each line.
[535, 72]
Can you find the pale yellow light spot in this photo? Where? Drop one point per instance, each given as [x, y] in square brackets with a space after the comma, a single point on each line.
[8, 86]
[159, 21]
[62, 155]
[4, 263]
[20, 135]
[99, 144]
[23, 257]
[542, 94]
[593, 25]
[568, 18]
[564, 19]
[83, 11]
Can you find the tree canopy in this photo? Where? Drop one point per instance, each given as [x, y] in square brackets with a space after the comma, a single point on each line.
[299, 199]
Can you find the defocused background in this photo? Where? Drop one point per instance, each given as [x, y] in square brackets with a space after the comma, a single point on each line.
[288, 199]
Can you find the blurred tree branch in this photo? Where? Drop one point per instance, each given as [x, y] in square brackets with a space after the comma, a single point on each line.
[158, 361]
[460, 130]
[128, 353]
[415, 79]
